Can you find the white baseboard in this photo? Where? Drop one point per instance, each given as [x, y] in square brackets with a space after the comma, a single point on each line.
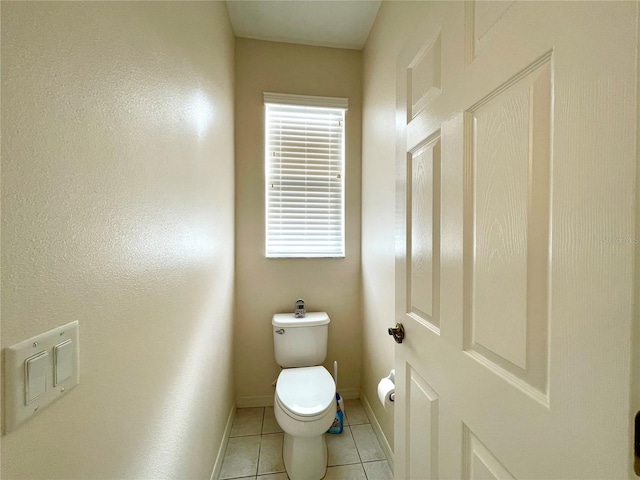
[256, 401]
[349, 393]
[377, 429]
[217, 466]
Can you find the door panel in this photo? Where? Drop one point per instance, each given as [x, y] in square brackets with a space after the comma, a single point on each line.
[422, 414]
[423, 175]
[482, 21]
[424, 76]
[506, 229]
[479, 462]
[515, 159]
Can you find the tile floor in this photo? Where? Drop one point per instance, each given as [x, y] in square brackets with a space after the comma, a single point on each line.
[255, 448]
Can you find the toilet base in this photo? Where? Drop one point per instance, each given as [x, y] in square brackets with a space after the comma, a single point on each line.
[305, 458]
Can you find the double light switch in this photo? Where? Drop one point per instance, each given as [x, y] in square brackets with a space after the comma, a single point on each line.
[38, 371]
[37, 367]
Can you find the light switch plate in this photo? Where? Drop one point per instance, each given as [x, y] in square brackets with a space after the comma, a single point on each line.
[16, 409]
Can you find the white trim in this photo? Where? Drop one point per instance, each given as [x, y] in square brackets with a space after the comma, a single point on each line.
[255, 401]
[349, 393]
[217, 466]
[306, 100]
[388, 452]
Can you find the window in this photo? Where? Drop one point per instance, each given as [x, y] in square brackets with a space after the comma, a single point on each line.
[304, 173]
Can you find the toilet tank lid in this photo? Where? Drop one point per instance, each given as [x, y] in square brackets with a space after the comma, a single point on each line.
[289, 319]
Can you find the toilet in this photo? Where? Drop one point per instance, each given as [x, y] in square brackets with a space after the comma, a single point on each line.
[305, 398]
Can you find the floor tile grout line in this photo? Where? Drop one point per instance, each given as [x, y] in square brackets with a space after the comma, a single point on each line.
[259, 451]
[357, 449]
[365, 472]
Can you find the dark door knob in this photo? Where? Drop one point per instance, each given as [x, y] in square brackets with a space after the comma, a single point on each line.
[397, 333]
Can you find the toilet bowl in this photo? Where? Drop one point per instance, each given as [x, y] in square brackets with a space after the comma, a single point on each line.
[304, 407]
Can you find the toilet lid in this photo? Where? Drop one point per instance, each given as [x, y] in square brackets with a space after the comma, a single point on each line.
[306, 391]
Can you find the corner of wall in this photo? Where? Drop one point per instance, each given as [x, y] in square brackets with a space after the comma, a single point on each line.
[217, 466]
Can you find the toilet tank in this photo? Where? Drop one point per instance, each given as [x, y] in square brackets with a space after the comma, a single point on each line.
[300, 342]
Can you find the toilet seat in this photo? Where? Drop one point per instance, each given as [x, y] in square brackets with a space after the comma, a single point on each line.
[305, 393]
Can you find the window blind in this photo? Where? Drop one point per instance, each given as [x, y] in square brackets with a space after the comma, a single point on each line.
[304, 148]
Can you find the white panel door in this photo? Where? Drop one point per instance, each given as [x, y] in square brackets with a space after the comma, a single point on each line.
[516, 165]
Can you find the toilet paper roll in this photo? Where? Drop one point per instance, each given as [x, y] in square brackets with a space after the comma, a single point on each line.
[386, 388]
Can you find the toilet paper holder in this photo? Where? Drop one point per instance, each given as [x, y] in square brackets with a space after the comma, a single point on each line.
[386, 388]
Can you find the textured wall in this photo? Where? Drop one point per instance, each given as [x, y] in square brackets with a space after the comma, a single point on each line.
[391, 29]
[266, 286]
[117, 197]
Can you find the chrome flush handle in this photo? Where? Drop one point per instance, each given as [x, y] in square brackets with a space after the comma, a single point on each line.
[280, 331]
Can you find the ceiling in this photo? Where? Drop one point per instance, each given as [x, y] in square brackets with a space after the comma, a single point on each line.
[326, 23]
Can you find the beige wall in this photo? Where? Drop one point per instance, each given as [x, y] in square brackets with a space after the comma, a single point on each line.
[267, 286]
[117, 196]
[390, 31]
